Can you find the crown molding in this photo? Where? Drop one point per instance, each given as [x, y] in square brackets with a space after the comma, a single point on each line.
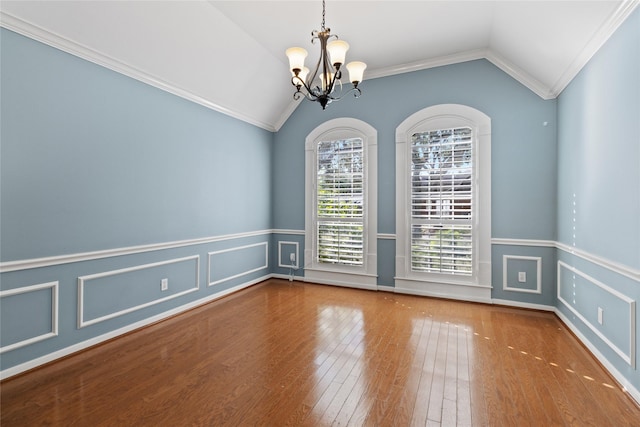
[427, 63]
[534, 85]
[69, 46]
[64, 44]
[291, 107]
[597, 41]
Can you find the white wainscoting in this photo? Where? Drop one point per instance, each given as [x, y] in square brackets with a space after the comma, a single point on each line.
[54, 313]
[83, 281]
[505, 284]
[50, 357]
[27, 264]
[287, 263]
[243, 273]
[621, 269]
[629, 356]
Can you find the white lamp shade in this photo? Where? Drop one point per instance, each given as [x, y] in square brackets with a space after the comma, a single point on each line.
[337, 51]
[356, 71]
[296, 57]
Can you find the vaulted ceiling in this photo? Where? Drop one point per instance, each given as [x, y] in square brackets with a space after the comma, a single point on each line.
[229, 55]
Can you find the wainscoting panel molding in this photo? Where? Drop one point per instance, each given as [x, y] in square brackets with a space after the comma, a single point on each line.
[505, 276]
[628, 356]
[50, 357]
[262, 264]
[624, 270]
[53, 286]
[83, 281]
[286, 262]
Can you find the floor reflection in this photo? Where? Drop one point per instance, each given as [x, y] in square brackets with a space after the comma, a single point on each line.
[339, 352]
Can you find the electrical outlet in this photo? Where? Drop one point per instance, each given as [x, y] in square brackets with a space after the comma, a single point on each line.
[522, 276]
[292, 257]
[600, 313]
[164, 284]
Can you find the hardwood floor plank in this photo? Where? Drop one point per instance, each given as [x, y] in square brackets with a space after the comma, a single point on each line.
[293, 354]
[463, 389]
[421, 407]
[436, 397]
[404, 407]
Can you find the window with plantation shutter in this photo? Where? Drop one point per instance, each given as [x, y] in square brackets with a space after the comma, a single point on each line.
[340, 205]
[340, 197]
[443, 203]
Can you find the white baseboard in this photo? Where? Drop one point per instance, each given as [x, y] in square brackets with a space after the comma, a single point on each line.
[519, 304]
[455, 291]
[352, 285]
[626, 385]
[34, 363]
[287, 277]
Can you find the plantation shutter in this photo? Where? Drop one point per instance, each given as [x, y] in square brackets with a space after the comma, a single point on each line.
[339, 201]
[441, 201]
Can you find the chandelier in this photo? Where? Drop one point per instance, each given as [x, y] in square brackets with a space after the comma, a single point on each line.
[324, 84]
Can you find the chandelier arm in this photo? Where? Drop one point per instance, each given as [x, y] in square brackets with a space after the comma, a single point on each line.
[337, 75]
[315, 73]
[299, 84]
[356, 94]
[297, 95]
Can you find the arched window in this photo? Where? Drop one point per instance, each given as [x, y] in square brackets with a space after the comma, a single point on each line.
[443, 203]
[340, 206]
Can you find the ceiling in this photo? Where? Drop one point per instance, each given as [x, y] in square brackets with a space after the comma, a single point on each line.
[229, 55]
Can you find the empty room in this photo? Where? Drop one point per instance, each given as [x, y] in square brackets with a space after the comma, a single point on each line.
[319, 213]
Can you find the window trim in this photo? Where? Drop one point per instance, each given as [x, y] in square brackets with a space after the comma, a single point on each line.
[364, 276]
[476, 287]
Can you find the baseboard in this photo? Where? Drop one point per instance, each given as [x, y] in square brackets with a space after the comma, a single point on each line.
[84, 345]
[626, 385]
[527, 305]
[341, 284]
[287, 277]
[444, 295]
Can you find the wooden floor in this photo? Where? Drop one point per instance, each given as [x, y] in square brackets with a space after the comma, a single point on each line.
[282, 353]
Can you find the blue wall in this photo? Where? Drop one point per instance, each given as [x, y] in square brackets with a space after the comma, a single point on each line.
[599, 198]
[93, 162]
[523, 158]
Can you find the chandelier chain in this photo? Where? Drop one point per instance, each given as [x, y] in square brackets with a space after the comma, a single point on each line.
[323, 27]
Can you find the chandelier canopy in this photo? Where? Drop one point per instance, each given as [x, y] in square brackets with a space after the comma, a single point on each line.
[324, 84]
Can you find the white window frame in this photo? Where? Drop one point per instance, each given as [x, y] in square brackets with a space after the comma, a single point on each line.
[364, 276]
[476, 287]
